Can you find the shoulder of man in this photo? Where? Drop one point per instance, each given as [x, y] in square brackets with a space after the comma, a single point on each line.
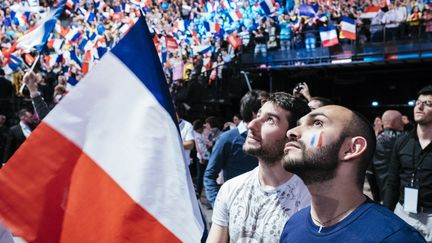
[389, 225]
[238, 181]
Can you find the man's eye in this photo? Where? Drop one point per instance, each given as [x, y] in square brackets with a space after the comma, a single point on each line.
[270, 119]
[318, 123]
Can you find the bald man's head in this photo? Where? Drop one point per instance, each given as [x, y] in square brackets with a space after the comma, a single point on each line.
[392, 119]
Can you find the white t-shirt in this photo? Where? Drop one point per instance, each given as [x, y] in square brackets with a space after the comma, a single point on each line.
[253, 214]
[186, 132]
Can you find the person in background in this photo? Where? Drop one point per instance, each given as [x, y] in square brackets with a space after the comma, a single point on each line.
[393, 127]
[202, 154]
[186, 132]
[409, 181]
[302, 90]
[227, 154]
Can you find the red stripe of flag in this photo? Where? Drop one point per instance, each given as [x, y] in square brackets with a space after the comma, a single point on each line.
[69, 195]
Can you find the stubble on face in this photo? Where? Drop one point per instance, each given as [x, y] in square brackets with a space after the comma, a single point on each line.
[269, 153]
[313, 165]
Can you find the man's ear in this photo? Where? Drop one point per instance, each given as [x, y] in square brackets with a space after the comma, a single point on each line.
[353, 148]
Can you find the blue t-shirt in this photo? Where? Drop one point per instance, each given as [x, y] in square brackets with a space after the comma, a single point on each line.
[368, 223]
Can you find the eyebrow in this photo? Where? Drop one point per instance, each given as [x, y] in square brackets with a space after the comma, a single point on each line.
[273, 115]
[311, 116]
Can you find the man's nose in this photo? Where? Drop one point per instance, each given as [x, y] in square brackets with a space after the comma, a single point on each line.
[293, 134]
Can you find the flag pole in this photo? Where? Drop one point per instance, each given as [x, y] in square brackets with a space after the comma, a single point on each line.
[31, 70]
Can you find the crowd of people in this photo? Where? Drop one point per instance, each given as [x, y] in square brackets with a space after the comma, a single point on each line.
[195, 39]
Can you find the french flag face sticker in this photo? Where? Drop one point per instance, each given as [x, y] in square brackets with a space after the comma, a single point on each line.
[317, 140]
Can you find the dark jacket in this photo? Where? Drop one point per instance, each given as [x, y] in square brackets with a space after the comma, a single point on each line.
[381, 158]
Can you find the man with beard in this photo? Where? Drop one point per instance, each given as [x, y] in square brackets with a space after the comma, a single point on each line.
[254, 206]
[330, 150]
[409, 181]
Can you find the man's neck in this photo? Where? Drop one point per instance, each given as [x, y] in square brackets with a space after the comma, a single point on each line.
[272, 175]
[424, 133]
[333, 201]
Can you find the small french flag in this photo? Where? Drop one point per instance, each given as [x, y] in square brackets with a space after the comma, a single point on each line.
[226, 4]
[370, 12]
[328, 36]
[268, 6]
[234, 41]
[307, 11]
[171, 43]
[317, 140]
[348, 28]
[235, 15]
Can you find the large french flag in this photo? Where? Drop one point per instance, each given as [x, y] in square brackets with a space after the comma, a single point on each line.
[328, 36]
[348, 28]
[107, 164]
[38, 37]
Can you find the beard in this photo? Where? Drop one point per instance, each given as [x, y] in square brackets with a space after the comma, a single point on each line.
[269, 154]
[314, 166]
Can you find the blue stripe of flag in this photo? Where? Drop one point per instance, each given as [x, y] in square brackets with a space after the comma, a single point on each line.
[137, 51]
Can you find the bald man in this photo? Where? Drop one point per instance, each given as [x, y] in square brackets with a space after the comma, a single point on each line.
[330, 150]
[393, 127]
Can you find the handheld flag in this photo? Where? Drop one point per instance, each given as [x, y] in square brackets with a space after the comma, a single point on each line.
[328, 36]
[38, 37]
[348, 28]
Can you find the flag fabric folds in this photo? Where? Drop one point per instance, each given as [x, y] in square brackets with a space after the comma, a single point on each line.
[328, 36]
[348, 28]
[268, 6]
[38, 37]
[107, 164]
[307, 10]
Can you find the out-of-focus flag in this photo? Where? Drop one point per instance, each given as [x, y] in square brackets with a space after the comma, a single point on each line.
[348, 28]
[235, 15]
[226, 4]
[29, 59]
[78, 178]
[51, 60]
[171, 43]
[70, 4]
[234, 40]
[268, 6]
[370, 12]
[307, 10]
[328, 36]
[38, 36]
[90, 17]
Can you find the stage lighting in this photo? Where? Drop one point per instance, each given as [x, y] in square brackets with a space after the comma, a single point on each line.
[411, 103]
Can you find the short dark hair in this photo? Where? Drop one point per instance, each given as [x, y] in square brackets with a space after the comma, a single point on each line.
[359, 125]
[426, 90]
[197, 124]
[298, 107]
[22, 112]
[213, 121]
[251, 103]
